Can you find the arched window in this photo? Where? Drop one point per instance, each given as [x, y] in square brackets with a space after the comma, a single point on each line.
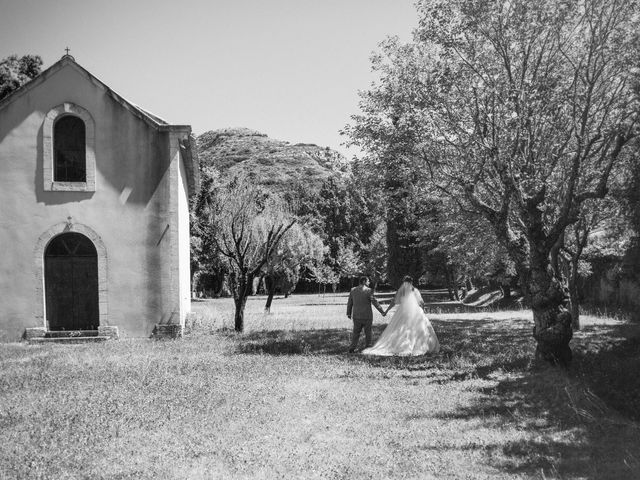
[69, 147]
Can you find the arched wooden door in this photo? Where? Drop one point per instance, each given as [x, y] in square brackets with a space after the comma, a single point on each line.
[71, 283]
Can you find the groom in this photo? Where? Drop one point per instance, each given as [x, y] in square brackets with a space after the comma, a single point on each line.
[359, 310]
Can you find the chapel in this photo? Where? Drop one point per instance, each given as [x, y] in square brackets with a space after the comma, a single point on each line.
[94, 212]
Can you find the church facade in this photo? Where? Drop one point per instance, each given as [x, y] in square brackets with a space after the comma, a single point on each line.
[94, 211]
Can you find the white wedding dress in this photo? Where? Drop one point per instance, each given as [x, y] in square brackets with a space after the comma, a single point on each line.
[409, 332]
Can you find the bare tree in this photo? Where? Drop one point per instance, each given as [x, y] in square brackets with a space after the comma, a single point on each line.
[247, 225]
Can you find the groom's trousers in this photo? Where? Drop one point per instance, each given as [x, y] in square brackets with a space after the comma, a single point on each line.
[358, 325]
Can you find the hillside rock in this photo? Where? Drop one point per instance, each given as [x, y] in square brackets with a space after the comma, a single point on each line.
[273, 163]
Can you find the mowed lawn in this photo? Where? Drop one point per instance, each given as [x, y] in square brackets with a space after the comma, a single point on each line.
[285, 400]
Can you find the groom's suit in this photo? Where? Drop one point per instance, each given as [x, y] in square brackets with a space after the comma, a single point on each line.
[359, 310]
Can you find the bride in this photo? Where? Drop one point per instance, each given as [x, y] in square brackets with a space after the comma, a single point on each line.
[409, 332]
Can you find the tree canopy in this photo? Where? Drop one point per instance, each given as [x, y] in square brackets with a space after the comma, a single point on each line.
[520, 112]
[16, 71]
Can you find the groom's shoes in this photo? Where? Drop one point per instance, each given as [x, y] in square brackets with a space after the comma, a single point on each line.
[352, 350]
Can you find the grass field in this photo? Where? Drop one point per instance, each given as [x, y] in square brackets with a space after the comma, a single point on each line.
[285, 400]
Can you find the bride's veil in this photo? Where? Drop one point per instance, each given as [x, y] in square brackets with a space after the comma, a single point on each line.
[405, 293]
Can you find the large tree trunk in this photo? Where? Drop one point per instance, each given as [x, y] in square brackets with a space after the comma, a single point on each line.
[221, 284]
[404, 254]
[260, 284]
[452, 287]
[241, 292]
[549, 302]
[240, 303]
[270, 285]
[469, 283]
[536, 262]
[194, 275]
[573, 295]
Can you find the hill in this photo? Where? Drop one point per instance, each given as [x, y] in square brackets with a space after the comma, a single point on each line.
[274, 163]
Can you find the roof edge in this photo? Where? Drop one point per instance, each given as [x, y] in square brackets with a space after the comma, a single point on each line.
[189, 152]
[41, 77]
[138, 112]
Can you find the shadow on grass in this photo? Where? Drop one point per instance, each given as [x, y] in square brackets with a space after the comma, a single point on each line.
[584, 420]
[469, 348]
[581, 422]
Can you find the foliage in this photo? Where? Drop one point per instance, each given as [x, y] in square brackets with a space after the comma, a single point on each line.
[606, 232]
[511, 106]
[629, 199]
[397, 185]
[300, 248]
[323, 274]
[374, 255]
[16, 71]
[347, 261]
[345, 214]
[462, 244]
[630, 192]
[205, 258]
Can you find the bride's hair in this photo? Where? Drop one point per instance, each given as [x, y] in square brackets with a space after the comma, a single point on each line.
[407, 278]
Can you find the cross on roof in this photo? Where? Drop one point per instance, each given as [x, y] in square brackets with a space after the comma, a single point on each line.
[67, 50]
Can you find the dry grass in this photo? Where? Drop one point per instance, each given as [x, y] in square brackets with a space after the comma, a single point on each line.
[285, 401]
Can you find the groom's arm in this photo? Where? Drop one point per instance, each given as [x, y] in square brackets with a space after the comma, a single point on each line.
[350, 305]
[374, 302]
[390, 306]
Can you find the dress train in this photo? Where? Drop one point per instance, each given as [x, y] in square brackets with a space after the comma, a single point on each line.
[409, 332]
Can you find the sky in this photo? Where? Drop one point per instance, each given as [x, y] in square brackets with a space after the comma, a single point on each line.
[287, 68]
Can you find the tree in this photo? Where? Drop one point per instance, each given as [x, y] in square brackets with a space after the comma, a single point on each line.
[248, 224]
[16, 71]
[300, 247]
[347, 261]
[603, 236]
[343, 213]
[629, 198]
[396, 183]
[374, 255]
[520, 112]
[206, 260]
[571, 253]
[323, 274]
[466, 249]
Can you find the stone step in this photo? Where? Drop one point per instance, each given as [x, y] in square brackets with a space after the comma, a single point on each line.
[69, 340]
[71, 333]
